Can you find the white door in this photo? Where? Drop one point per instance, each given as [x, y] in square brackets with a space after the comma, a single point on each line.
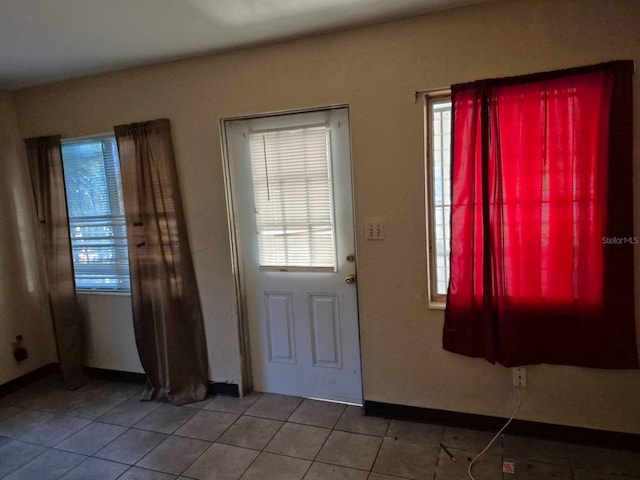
[293, 212]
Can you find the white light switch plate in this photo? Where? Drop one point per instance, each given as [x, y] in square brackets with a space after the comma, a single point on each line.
[374, 231]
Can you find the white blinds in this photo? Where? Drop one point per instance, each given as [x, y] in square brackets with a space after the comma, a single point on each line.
[291, 172]
[96, 214]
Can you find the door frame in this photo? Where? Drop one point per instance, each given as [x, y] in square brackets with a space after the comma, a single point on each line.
[242, 319]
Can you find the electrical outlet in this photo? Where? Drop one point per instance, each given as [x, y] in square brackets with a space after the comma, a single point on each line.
[508, 467]
[374, 231]
[519, 377]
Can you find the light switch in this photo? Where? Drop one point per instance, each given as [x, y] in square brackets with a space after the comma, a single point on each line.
[374, 231]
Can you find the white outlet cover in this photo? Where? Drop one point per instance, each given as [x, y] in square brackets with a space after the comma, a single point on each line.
[374, 230]
[519, 376]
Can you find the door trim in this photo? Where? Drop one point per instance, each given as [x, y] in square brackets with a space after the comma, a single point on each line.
[246, 384]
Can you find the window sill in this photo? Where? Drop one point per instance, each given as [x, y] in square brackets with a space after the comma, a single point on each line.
[437, 305]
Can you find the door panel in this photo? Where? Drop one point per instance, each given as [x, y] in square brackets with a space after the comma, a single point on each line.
[325, 331]
[296, 212]
[279, 318]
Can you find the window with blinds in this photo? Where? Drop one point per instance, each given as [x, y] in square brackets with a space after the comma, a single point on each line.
[96, 214]
[438, 117]
[291, 170]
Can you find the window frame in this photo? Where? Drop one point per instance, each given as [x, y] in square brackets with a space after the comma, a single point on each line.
[120, 290]
[436, 300]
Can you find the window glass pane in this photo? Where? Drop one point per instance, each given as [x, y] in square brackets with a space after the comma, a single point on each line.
[96, 214]
[440, 169]
[291, 171]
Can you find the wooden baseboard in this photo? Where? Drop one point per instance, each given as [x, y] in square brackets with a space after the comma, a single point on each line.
[562, 433]
[28, 378]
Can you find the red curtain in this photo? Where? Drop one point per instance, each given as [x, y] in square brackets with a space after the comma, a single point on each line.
[542, 221]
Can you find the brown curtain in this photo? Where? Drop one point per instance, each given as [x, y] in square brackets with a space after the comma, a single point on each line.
[44, 156]
[166, 305]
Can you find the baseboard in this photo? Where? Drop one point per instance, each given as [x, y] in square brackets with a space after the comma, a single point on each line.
[223, 388]
[116, 375]
[546, 431]
[215, 388]
[24, 380]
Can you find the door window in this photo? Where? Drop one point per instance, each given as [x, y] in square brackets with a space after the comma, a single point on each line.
[293, 198]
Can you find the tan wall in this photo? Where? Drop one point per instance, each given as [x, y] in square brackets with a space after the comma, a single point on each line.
[375, 70]
[108, 331]
[22, 309]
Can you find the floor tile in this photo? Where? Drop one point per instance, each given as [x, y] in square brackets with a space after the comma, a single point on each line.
[199, 405]
[111, 388]
[129, 412]
[34, 390]
[353, 420]
[487, 467]
[137, 473]
[56, 400]
[604, 460]
[537, 470]
[300, 441]
[207, 425]
[224, 403]
[380, 476]
[584, 475]
[269, 466]
[166, 419]
[471, 440]
[131, 446]
[251, 432]
[94, 406]
[415, 432]
[324, 471]
[26, 420]
[174, 455]
[96, 469]
[54, 431]
[8, 411]
[532, 449]
[46, 414]
[51, 465]
[91, 438]
[277, 407]
[317, 413]
[14, 454]
[350, 450]
[407, 459]
[221, 462]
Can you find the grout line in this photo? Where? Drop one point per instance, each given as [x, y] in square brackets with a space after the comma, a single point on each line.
[322, 446]
[375, 459]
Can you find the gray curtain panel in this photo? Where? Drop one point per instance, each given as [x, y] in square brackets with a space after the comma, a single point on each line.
[44, 156]
[166, 306]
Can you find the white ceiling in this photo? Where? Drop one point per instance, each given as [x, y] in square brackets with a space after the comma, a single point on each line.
[42, 41]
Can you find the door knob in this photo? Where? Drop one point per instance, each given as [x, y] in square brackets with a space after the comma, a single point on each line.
[351, 279]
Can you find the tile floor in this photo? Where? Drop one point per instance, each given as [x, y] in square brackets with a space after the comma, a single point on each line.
[103, 432]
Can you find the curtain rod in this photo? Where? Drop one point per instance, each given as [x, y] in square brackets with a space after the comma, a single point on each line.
[432, 91]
